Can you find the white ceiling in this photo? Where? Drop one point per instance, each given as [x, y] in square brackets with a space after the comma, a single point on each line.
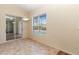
[30, 7]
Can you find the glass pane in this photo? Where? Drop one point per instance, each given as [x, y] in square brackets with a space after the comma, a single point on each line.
[35, 24]
[43, 22]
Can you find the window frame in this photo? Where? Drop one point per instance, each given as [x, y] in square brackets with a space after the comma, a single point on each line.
[40, 22]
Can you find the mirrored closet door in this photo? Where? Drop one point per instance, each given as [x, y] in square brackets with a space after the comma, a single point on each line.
[14, 27]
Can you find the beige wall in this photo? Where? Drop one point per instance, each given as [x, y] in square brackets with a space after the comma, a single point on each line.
[10, 10]
[26, 30]
[62, 27]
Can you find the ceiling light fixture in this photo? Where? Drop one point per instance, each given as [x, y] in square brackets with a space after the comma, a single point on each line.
[25, 19]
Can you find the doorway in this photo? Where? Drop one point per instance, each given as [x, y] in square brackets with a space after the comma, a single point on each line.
[14, 27]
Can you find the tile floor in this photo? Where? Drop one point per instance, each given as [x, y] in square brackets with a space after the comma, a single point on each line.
[25, 47]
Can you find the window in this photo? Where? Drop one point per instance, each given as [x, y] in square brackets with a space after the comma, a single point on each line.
[39, 24]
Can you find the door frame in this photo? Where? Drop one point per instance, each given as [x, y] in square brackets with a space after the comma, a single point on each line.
[15, 26]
